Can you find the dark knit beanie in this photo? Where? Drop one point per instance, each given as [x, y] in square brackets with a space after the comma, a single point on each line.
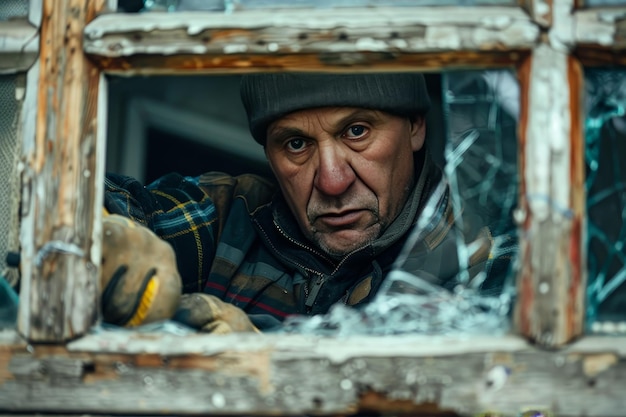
[268, 97]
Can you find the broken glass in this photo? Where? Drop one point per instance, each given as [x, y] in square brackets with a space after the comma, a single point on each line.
[467, 287]
[10, 107]
[605, 133]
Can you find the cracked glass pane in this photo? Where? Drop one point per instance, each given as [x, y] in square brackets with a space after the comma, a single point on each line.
[457, 280]
[455, 271]
[605, 132]
[9, 205]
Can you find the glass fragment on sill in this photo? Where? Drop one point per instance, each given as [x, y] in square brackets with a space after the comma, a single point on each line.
[605, 135]
[161, 327]
[465, 285]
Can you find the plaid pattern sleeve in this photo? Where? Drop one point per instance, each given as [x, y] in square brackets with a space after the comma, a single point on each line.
[178, 211]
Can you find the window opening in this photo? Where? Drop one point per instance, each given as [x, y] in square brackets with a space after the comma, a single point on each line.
[466, 285]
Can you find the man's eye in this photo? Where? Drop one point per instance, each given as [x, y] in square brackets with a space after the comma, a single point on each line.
[356, 131]
[295, 145]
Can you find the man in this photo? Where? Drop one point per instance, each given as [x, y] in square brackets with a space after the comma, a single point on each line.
[353, 180]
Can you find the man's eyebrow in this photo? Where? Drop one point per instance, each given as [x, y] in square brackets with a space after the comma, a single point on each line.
[368, 115]
[278, 133]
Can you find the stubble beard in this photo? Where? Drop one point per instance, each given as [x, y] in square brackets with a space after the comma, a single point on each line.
[323, 237]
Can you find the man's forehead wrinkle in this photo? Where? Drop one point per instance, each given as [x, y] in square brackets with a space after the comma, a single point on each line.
[326, 117]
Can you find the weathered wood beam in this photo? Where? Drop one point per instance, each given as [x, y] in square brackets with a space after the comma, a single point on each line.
[323, 62]
[147, 373]
[62, 183]
[601, 36]
[552, 276]
[429, 38]
[19, 44]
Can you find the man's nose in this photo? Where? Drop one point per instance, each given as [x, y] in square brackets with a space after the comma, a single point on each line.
[334, 173]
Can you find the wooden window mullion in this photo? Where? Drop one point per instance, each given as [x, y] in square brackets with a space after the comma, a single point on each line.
[62, 183]
[553, 270]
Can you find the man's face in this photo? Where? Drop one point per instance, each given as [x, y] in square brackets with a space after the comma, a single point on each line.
[345, 172]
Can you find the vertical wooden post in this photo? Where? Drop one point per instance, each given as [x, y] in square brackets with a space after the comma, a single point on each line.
[62, 183]
[552, 277]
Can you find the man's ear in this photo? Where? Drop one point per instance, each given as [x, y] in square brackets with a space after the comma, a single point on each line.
[418, 132]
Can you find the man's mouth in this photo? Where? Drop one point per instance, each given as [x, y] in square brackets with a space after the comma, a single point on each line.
[340, 220]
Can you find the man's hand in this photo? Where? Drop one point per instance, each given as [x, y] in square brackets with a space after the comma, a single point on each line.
[209, 314]
[139, 280]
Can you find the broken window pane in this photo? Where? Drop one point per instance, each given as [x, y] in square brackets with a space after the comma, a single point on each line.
[9, 189]
[455, 274]
[466, 284]
[234, 5]
[605, 132]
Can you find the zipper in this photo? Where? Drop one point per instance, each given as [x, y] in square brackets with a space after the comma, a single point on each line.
[281, 255]
[312, 250]
[312, 292]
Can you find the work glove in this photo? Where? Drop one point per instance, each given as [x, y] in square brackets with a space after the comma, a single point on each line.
[208, 313]
[139, 280]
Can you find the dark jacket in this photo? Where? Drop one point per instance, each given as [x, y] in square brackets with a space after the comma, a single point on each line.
[235, 238]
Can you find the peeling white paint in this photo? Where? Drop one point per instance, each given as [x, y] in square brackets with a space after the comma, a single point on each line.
[235, 49]
[370, 44]
[445, 28]
[541, 7]
[443, 38]
[548, 135]
[597, 27]
[562, 34]
[497, 22]
[399, 43]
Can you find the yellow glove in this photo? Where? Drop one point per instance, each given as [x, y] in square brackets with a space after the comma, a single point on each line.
[139, 280]
[208, 313]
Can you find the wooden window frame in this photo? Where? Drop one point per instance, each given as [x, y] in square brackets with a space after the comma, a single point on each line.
[58, 362]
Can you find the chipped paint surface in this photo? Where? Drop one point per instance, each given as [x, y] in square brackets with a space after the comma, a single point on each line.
[594, 365]
[547, 176]
[552, 275]
[598, 26]
[261, 375]
[57, 219]
[197, 22]
[372, 30]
